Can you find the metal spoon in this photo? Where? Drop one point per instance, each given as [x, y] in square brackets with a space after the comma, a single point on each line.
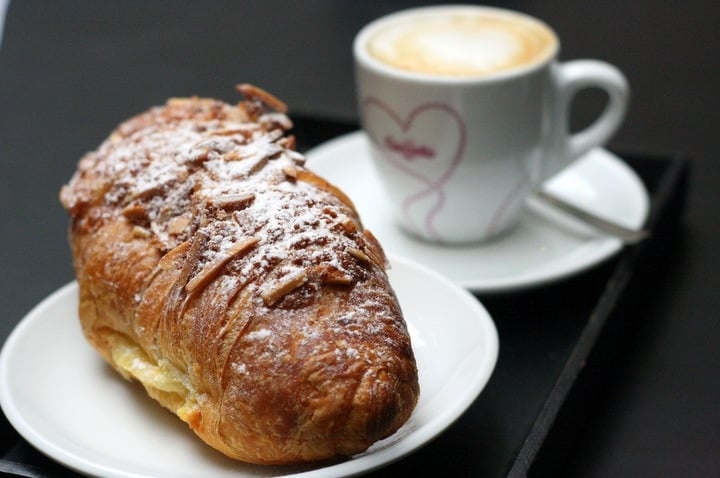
[625, 234]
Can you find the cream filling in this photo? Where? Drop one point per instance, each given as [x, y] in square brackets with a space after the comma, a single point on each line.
[163, 381]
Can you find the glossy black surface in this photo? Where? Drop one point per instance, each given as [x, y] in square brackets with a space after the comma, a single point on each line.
[642, 331]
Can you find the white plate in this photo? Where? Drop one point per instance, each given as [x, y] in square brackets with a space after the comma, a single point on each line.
[60, 396]
[544, 247]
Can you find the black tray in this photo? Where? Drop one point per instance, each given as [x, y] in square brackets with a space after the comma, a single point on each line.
[555, 344]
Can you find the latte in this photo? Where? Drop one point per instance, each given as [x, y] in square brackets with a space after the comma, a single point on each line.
[461, 42]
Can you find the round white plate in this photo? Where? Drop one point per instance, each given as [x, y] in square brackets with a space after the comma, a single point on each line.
[60, 395]
[544, 247]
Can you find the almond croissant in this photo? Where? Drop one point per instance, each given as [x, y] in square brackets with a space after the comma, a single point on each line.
[237, 286]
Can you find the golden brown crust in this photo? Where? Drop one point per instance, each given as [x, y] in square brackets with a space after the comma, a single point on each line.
[238, 287]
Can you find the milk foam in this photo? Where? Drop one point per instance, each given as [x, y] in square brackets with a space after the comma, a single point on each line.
[462, 44]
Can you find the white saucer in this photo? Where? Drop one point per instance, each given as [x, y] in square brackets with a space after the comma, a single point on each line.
[59, 394]
[546, 246]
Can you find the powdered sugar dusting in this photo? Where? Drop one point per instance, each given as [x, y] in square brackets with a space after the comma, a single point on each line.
[259, 334]
[280, 233]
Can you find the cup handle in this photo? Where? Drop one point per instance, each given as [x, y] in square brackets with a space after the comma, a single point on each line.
[569, 78]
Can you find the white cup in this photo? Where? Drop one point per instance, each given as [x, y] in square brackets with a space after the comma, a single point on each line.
[467, 110]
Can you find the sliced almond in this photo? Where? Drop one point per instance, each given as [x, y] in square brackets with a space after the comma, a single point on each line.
[135, 213]
[179, 224]
[252, 92]
[276, 290]
[213, 268]
[288, 142]
[290, 171]
[233, 202]
[358, 254]
[348, 226]
[140, 232]
[320, 183]
[336, 277]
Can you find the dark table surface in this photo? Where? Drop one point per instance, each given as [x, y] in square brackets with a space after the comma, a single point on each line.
[70, 71]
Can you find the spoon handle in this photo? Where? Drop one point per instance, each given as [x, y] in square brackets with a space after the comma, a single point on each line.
[625, 234]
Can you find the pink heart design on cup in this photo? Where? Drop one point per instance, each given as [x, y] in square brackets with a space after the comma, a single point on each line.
[405, 144]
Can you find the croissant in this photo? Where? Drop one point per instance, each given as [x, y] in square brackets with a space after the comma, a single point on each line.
[239, 288]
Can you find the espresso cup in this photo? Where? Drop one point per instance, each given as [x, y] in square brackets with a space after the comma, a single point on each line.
[466, 109]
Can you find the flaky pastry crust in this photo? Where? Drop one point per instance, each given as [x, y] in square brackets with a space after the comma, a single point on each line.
[237, 286]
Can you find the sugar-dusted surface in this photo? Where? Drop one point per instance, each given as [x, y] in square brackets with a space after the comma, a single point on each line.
[207, 253]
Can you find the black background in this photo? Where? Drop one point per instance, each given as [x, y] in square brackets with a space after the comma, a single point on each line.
[70, 71]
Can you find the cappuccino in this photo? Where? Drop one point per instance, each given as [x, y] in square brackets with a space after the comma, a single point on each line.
[465, 112]
[461, 42]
